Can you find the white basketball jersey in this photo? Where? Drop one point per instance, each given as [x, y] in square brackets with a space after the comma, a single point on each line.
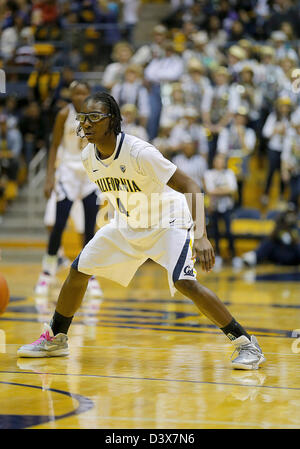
[69, 151]
[134, 179]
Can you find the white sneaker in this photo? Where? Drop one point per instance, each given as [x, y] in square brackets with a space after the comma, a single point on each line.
[63, 262]
[94, 288]
[218, 263]
[249, 258]
[43, 284]
[47, 345]
[250, 355]
[237, 262]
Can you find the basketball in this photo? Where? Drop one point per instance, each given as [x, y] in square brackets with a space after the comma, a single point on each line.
[4, 294]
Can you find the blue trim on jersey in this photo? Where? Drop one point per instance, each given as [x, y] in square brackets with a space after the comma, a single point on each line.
[181, 259]
[76, 262]
[120, 146]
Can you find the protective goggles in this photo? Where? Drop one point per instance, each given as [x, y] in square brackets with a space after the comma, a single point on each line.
[93, 117]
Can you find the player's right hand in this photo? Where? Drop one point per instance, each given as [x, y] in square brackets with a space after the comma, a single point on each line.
[205, 253]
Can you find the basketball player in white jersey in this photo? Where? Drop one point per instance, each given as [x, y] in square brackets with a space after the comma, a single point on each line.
[68, 181]
[123, 165]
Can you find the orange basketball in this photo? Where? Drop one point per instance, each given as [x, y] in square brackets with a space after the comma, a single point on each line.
[4, 294]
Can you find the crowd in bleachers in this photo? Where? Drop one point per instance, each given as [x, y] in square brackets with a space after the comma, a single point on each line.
[218, 81]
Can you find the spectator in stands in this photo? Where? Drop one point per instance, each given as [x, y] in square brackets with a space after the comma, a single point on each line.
[271, 76]
[281, 46]
[290, 163]
[174, 105]
[130, 123]
[250, 96]
[132, 91]
[155, 49]
[282, 247]
[65, 80]
[10, 150]
[284, 11]
[9, 38]
[207, 53]
[130, 16]
[236, 56]
[238, 141]
[218, 106]
[12, 109]
[287, 64]
[196, 85]
[237, 31]
[10, 10]
[216, 35]
[32, 128]
[160, 70]
[42, 82]
[189, 160]
[44, 12]
[220, 186]
[107, 13]
[275, 130]
[25, 54]
[114, 72]
[190, 125]
[162, 141]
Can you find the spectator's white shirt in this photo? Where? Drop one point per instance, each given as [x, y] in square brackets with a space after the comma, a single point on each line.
[216, 179]
[196, 93]
[8, 42]
[132, 93]
[291, 151]
[195, 131]
[113, 73]
[254, 107]
[166, 69]
[146, 53]
[229, 139]
[194, 166]
[275, 140]
[135, 130]
[270, 73]
[172, 112]
[130, 11]
[285, 52]
[288, 90]
[224, 95]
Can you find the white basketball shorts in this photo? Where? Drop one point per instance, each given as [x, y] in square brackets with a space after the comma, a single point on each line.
[76, 213]
[72, 184]
[116, 253]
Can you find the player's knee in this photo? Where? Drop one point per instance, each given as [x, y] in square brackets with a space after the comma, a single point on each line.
[186, 286]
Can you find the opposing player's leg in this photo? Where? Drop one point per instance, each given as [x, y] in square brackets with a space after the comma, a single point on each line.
[91, 208]
[250, 355]
[49, 264]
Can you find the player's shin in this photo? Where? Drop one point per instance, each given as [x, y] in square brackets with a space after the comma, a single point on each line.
[69, 300]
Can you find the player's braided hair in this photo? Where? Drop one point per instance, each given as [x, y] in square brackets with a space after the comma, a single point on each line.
[112, 108]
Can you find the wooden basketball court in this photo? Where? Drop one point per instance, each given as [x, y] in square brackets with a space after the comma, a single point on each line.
[142, 360]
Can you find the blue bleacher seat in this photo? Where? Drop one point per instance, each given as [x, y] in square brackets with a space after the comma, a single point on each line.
[250, 213]
[273, 214]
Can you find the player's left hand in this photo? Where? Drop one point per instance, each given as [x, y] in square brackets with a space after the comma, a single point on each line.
[205, 253]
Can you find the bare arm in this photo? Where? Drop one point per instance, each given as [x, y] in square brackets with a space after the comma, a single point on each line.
[184, 184]
[57, 135]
